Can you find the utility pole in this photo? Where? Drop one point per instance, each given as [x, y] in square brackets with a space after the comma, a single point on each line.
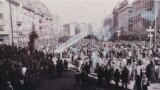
[11, 22]
[155, 33]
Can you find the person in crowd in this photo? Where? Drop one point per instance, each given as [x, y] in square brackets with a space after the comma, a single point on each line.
[150, 71]
[60, 68]
[100, 75]
[65, 65]
[117, 77]
[153, 75]
[138, 83]
[91, 65]
[138, 70]
[158, 73]
[107, 74]
[9, 86]
[125, 75]
[72, 58]
[84, 77]
[78, 78]
[87, 68]
[144, 82]
[51, 69]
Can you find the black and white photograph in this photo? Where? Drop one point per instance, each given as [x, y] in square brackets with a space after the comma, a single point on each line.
[79, 44]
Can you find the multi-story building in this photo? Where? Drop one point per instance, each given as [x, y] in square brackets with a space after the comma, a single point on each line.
[115, 18]
[108, 22]
[4, 30]
[140, 24]
[74, 28]
[124, 14]
[57, 26]
[17, 17]
[69, 29]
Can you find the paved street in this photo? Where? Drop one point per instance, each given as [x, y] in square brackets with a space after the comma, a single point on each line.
[64, 83]
[67, 83]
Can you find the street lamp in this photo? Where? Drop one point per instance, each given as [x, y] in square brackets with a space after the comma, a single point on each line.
[11, 21]
[118, 34]
[150, 30]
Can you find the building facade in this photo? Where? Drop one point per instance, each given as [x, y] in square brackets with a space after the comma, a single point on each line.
[69, 29]
[115, 18]
[124, 14]
[109, 21]
[17, 18]
[140, 24]
[74, 28]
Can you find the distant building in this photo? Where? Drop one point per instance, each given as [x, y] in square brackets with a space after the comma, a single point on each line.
[74, 28]
[69, 29]
[108, 22]
[124, 14]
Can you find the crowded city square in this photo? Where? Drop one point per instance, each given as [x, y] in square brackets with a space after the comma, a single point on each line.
[79, 45]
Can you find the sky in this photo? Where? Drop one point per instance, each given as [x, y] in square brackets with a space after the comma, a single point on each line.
[81, 10]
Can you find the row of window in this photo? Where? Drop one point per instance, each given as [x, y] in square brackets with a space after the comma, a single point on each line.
[141, 5]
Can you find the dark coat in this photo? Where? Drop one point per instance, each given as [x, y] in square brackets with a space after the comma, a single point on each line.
[117, 75]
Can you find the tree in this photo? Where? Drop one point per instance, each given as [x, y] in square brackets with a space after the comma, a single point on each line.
[33, 35]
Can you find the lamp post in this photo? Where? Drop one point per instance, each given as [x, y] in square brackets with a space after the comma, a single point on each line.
[11, 21]
[150, 30]
[156, 14]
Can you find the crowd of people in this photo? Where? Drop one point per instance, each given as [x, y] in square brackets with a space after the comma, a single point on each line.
[118, 63]
[113, 63]
[21, 70]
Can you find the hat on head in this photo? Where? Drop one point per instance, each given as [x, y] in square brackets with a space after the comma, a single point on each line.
[8, 82]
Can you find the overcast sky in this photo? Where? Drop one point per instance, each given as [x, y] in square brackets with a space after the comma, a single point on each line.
[88, 10]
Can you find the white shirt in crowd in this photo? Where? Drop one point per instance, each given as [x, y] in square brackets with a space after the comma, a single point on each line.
[144, 81]
[130, 70]
[150, 52]
[124, 61]
[138, 69]
[130, 53]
